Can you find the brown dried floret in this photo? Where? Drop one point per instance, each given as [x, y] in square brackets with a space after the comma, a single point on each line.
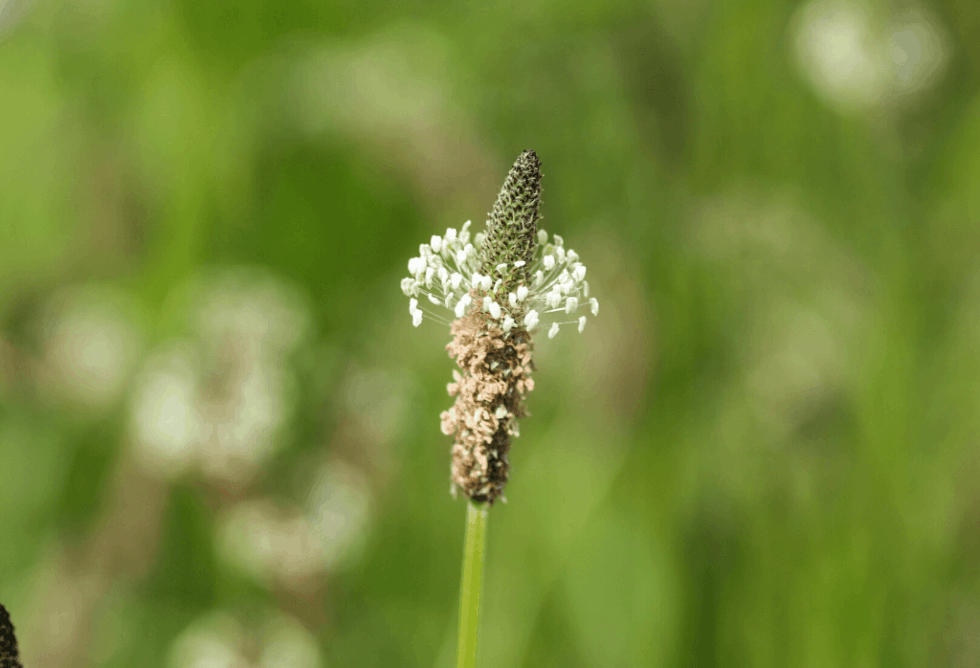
[496, 369]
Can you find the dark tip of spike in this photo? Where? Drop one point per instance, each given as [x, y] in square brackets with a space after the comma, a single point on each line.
[9, 657]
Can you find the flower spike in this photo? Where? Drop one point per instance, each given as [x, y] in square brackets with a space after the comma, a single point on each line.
[496, 294]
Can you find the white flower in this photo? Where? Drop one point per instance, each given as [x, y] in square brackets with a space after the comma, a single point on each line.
[415, 311]
[581, 324]
[461, 306]
[448, 272]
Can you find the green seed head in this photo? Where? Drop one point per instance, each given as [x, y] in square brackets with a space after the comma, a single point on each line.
[511, 229]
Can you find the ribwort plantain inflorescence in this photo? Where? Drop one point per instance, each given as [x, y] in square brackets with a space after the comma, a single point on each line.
[500, 289]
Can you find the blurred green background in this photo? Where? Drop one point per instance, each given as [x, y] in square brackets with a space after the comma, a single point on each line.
[219, 433]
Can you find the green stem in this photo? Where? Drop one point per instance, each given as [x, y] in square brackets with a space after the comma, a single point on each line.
[469, 595]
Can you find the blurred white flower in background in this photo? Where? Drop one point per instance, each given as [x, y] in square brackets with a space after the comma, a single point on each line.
[219, 400]
[392, 91]
[916, 46]
[287, 545]
[836, 49]
[165, 415]
[855, 61]
[218, 640]
[259, 315]
[270, 543]
[90, 344]
[288, 644]
[213, 641]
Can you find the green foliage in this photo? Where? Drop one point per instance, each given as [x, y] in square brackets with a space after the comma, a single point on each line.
[217, 423]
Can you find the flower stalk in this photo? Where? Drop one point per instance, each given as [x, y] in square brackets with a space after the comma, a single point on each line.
[471, 583]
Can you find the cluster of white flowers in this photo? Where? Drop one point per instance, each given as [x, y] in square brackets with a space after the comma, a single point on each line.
[446, 274]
